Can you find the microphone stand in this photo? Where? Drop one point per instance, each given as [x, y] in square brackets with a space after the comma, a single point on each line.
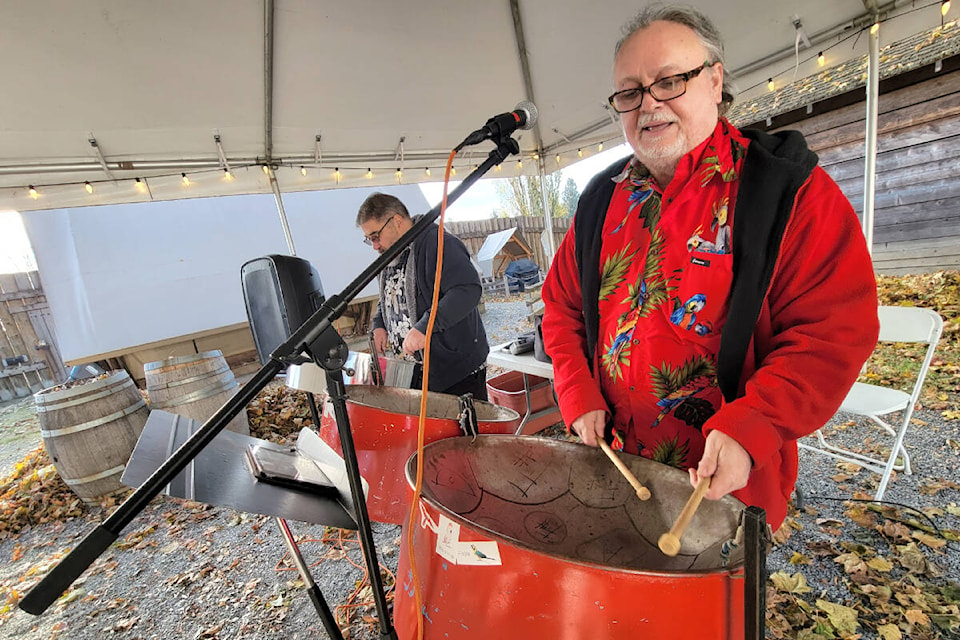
[316, 338]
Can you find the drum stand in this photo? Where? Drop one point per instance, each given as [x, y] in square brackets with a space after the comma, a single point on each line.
[318, 340]
[755, 539]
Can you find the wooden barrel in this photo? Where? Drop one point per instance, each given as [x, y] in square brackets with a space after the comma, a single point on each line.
[90, 429]
[194, 386]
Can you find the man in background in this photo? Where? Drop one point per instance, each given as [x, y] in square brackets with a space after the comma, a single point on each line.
[459, 346]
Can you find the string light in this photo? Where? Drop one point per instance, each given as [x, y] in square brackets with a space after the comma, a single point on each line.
[770, 84]
[303, 171]
[88, 187]
[453, 171]
[33, 192]
[227, 175]
[558, 159]
[820, 59]
[336, 175]
[536, 156]
[266, 169]
[186, 180]
[426, 170]
[600, 147]
[519, 164]
[579, 153]
[944, 8]
[140, 185]
[399, 175]
[499, 168]
[369, 173]
[875, 28]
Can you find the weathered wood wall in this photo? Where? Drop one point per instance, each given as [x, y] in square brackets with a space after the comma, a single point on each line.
[917, 202]
[474, 232]
[27, 331]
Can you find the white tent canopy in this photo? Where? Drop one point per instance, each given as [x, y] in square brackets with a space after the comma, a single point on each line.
[363, 87]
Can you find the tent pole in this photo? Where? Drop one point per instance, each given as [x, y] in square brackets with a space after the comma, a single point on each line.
[547, 213]
[283, 216]
[870, 142]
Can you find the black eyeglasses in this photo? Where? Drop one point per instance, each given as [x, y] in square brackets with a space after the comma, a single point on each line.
[663, 90]
[375, 236]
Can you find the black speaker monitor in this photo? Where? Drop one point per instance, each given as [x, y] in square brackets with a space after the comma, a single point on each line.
[280, 293]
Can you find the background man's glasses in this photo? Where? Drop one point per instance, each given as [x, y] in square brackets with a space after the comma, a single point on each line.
[662, 90]
[375, 236]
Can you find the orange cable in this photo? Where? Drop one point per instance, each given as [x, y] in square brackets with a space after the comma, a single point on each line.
[414, 504]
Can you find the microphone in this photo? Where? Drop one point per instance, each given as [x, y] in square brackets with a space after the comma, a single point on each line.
[523, 116]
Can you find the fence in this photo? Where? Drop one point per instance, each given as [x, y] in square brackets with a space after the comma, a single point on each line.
[474, 232]
[28, 347]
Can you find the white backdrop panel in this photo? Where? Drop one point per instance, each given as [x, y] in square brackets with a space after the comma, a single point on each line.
[124, 275]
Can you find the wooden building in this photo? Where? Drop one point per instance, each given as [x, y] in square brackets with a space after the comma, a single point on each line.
[917, 199]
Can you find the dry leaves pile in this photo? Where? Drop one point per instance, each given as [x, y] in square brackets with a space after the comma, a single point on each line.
[891, 585]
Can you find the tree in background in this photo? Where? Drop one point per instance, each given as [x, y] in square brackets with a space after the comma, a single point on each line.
[521, 196]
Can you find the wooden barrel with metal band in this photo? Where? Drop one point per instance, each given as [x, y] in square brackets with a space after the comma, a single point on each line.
[90, 429]
[193, 386]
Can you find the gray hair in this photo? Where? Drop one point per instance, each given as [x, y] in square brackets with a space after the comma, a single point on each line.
[696, 22]
[378, 206]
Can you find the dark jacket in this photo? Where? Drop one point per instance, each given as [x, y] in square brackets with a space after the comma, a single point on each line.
[459, 343]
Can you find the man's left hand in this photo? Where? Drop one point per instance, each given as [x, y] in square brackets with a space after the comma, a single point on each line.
[414, 341]
[726, 461]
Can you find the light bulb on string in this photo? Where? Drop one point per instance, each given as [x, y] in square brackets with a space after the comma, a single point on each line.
[820, 59]
[227, 175]
[770, 85]
[453, 171]
[369, 173]
[140, 185]
[875, 28]
[944, 8]
[399, 175]
[499, 168]
[536, 156]
[185, 179]
[599, 147]
[266, 169]
[88, 187]
[579, 153]
[336, 175]
[558, 159]
[519, 164]
[303, 171]
[33, 192]
[426, 170]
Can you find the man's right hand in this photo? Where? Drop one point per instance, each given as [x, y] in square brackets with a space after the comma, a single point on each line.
[590, 426]
[380, 340]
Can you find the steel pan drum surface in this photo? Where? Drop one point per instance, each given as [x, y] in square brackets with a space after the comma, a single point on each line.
[574, 551]
[384, 422]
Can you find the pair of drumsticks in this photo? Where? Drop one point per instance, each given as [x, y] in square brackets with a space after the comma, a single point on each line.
[669, 542]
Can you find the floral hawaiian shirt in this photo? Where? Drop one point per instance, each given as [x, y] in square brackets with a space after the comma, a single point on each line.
[666, 270]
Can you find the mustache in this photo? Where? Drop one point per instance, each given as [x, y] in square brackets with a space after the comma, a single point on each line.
[652, 118]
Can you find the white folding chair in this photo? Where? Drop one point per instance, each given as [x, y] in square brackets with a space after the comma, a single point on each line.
[897, 324]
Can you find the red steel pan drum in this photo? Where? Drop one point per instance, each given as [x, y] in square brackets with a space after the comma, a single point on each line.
[384, 422]
[527, 537]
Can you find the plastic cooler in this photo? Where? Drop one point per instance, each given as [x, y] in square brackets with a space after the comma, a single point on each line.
[506, 390]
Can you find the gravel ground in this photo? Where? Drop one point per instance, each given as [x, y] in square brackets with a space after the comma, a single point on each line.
[192, 571]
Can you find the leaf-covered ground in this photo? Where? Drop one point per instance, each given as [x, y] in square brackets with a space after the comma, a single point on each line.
[840, 568]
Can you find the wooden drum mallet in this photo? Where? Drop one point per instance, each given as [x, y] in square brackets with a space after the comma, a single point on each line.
[669, 542]
[642, 492]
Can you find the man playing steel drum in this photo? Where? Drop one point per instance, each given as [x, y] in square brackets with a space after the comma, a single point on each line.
[459, 348]
[714, 298]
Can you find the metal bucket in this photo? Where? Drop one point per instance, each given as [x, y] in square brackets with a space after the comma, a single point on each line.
[384, 423]
[535, 538]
